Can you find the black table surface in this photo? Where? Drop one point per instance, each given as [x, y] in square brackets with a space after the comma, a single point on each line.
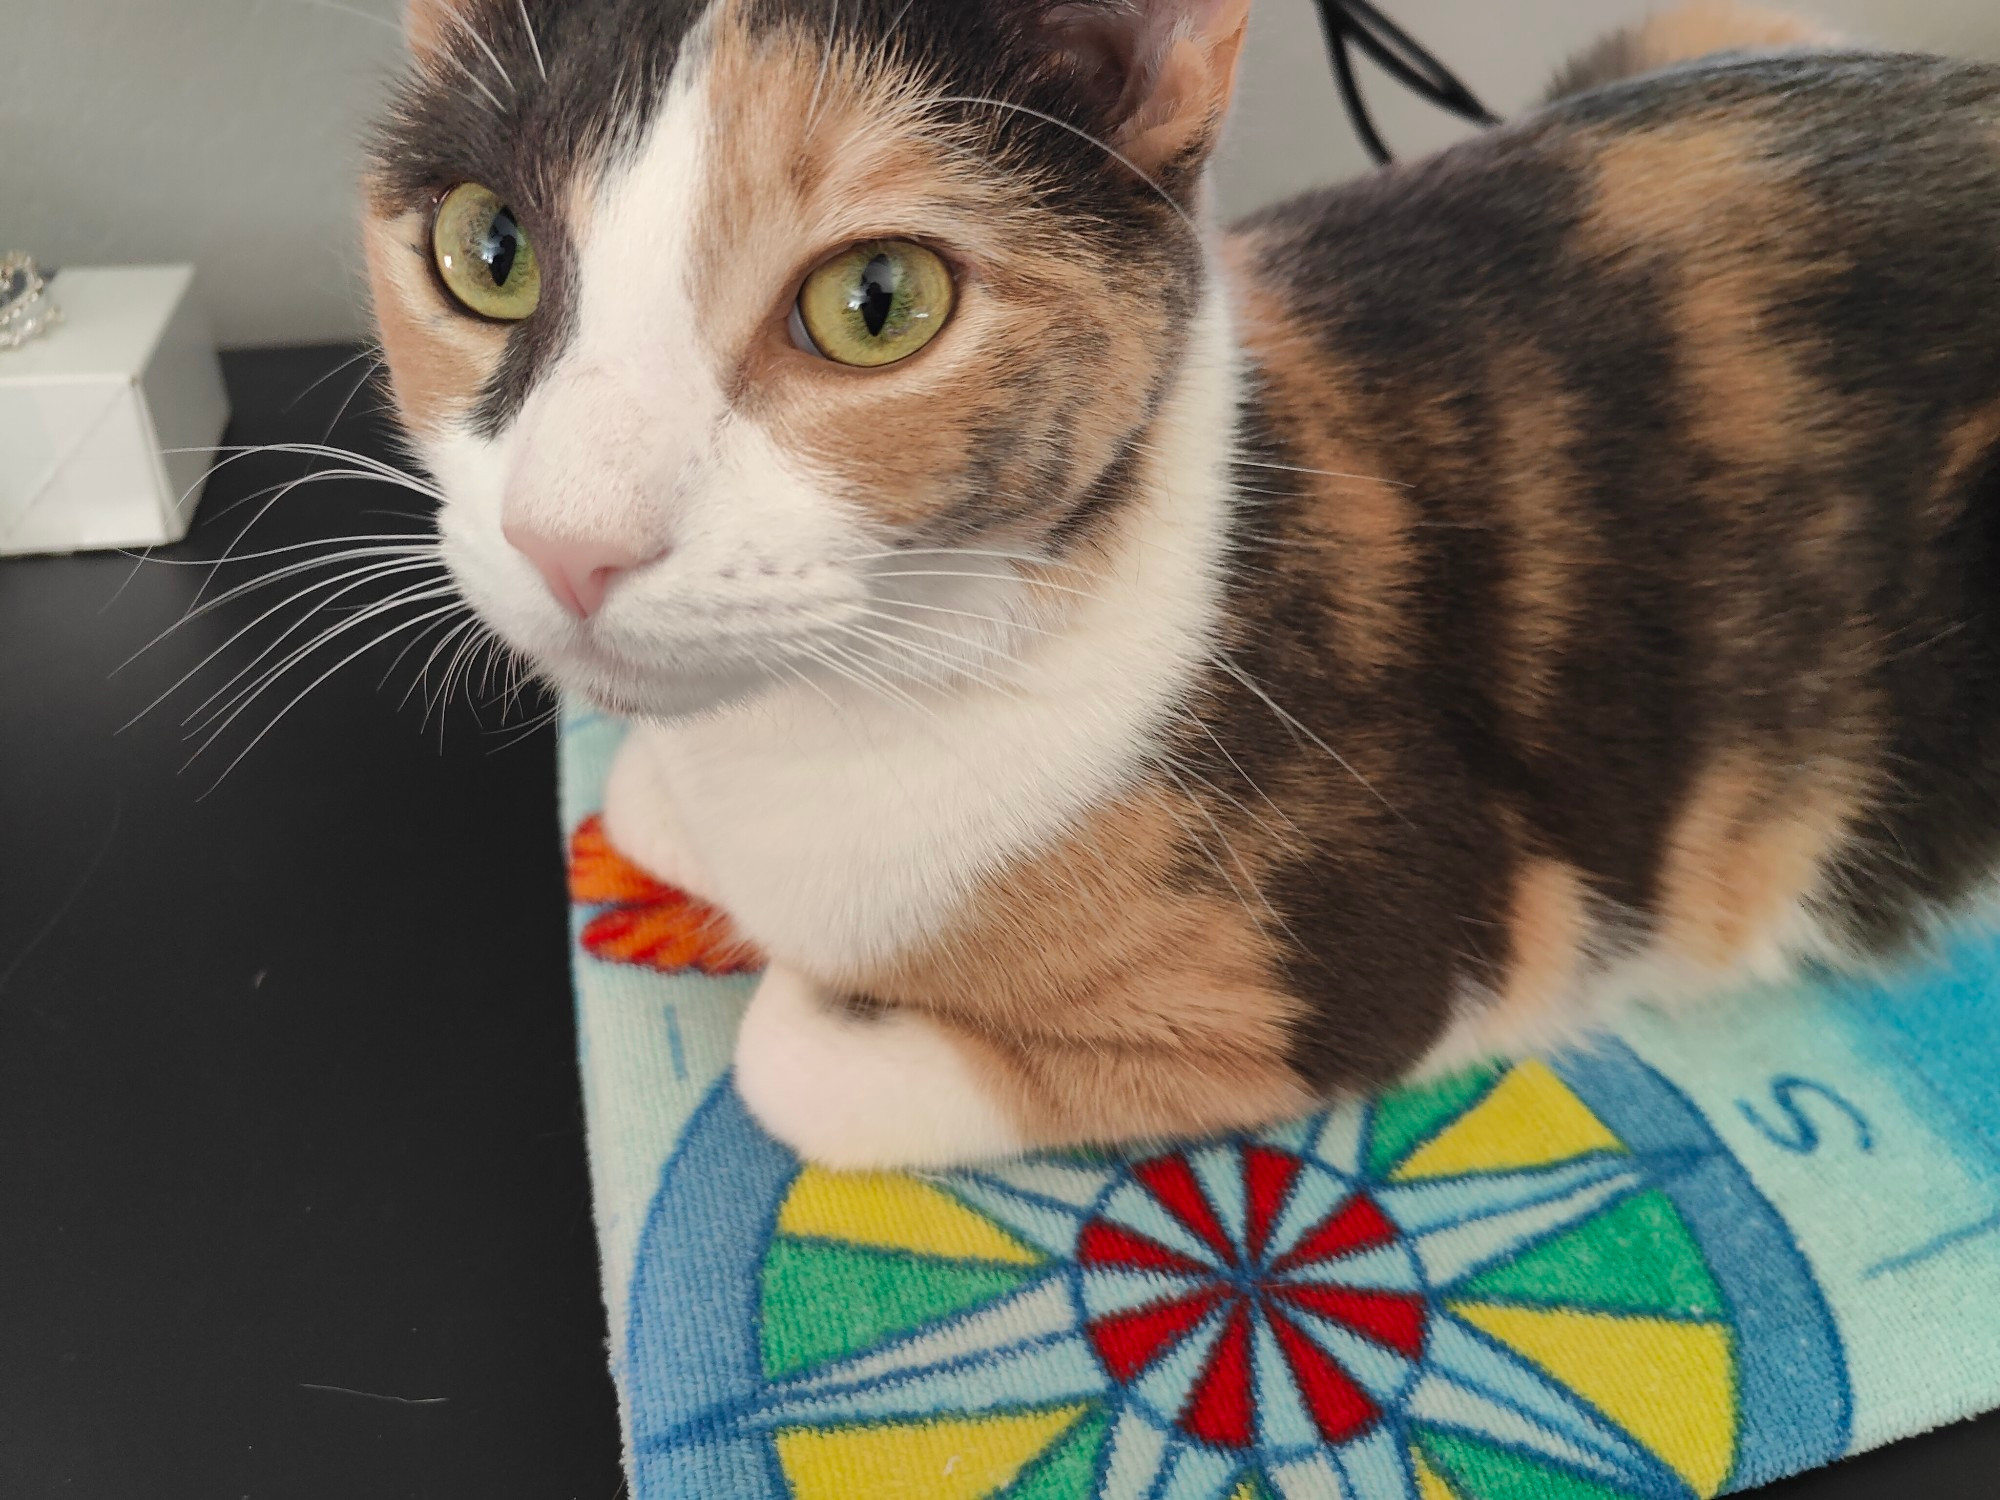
[293, 1193]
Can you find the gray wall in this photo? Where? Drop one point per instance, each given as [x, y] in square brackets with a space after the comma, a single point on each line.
[223, 131]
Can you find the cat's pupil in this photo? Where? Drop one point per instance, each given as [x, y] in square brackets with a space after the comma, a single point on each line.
[502, 246]
[875, 298]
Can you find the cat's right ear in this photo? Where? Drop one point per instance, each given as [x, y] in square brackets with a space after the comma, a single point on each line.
[1163, 70]
[427, 24]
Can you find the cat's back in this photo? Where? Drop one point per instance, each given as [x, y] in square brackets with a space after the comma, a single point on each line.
[1835, 169]
[1679, 407]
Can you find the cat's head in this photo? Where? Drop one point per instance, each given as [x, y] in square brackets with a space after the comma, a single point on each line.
[751, 339]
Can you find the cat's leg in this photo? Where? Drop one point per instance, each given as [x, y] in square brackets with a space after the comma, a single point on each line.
[853, 1089]
[640, 821]
[853, 1085]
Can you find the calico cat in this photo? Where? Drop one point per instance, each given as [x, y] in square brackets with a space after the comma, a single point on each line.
[1135, 678]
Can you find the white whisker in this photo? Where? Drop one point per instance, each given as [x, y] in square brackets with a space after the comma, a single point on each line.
[1297, 728]
[263, 581]
[1396, 484]
[827, 661]
[386, 636]
[432, 696]
[966, 614]
[340, 411]
[238, 452]
[468, 642]
[401, 657]
[458, 15]
[357, 578]
[806, 680]
[534, 42]
[372, 351]
[1038, 583]
[527, 731]
[223, 716]
[1030, 559]
[1242, 868]
[951, 664]
[201, 716]
[414, 538]
[957, 637]
[1202, 843]
[885, 687]
[272, 496]
[1111, 151]
[1196, 719]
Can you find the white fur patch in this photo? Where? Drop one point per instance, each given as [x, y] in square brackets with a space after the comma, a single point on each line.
[863, 1094]
[640, 821]
[840, 833]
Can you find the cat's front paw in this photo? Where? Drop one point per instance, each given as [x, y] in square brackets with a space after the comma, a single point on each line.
[856, 1091]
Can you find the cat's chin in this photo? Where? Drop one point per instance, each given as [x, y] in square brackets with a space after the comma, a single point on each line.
[669, 698]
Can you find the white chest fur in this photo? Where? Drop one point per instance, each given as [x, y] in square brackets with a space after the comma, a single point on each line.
[838, 831]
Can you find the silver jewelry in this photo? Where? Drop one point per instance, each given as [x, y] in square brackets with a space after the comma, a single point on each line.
[26, 307]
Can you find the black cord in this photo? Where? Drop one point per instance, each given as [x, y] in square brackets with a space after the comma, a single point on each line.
[1356, 23]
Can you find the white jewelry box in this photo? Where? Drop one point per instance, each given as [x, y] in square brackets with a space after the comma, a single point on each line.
[92, 413]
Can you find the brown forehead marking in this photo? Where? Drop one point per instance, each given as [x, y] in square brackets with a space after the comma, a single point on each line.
[1028, 396]
[439, 358]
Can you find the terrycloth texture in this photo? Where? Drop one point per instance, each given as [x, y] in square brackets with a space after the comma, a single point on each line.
[1708, 1254]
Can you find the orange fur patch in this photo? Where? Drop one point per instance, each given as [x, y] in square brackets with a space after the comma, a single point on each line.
[439, 359]
[1550, 536]
[1655, 191]
[1548, 930]
[1752, 842]
[1108, 1001]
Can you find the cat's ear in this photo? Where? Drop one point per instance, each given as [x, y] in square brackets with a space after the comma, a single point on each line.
[1164, 69]
[427, 24]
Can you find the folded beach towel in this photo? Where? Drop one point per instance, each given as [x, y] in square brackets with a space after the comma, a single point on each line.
[1711, 1252]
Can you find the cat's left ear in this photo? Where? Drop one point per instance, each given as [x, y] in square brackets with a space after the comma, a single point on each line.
[1165, 70]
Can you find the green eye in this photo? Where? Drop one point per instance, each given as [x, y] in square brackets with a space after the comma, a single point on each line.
[484, 256]
[875, 304]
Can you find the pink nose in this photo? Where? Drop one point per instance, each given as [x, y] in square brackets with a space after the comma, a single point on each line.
[579, 571]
